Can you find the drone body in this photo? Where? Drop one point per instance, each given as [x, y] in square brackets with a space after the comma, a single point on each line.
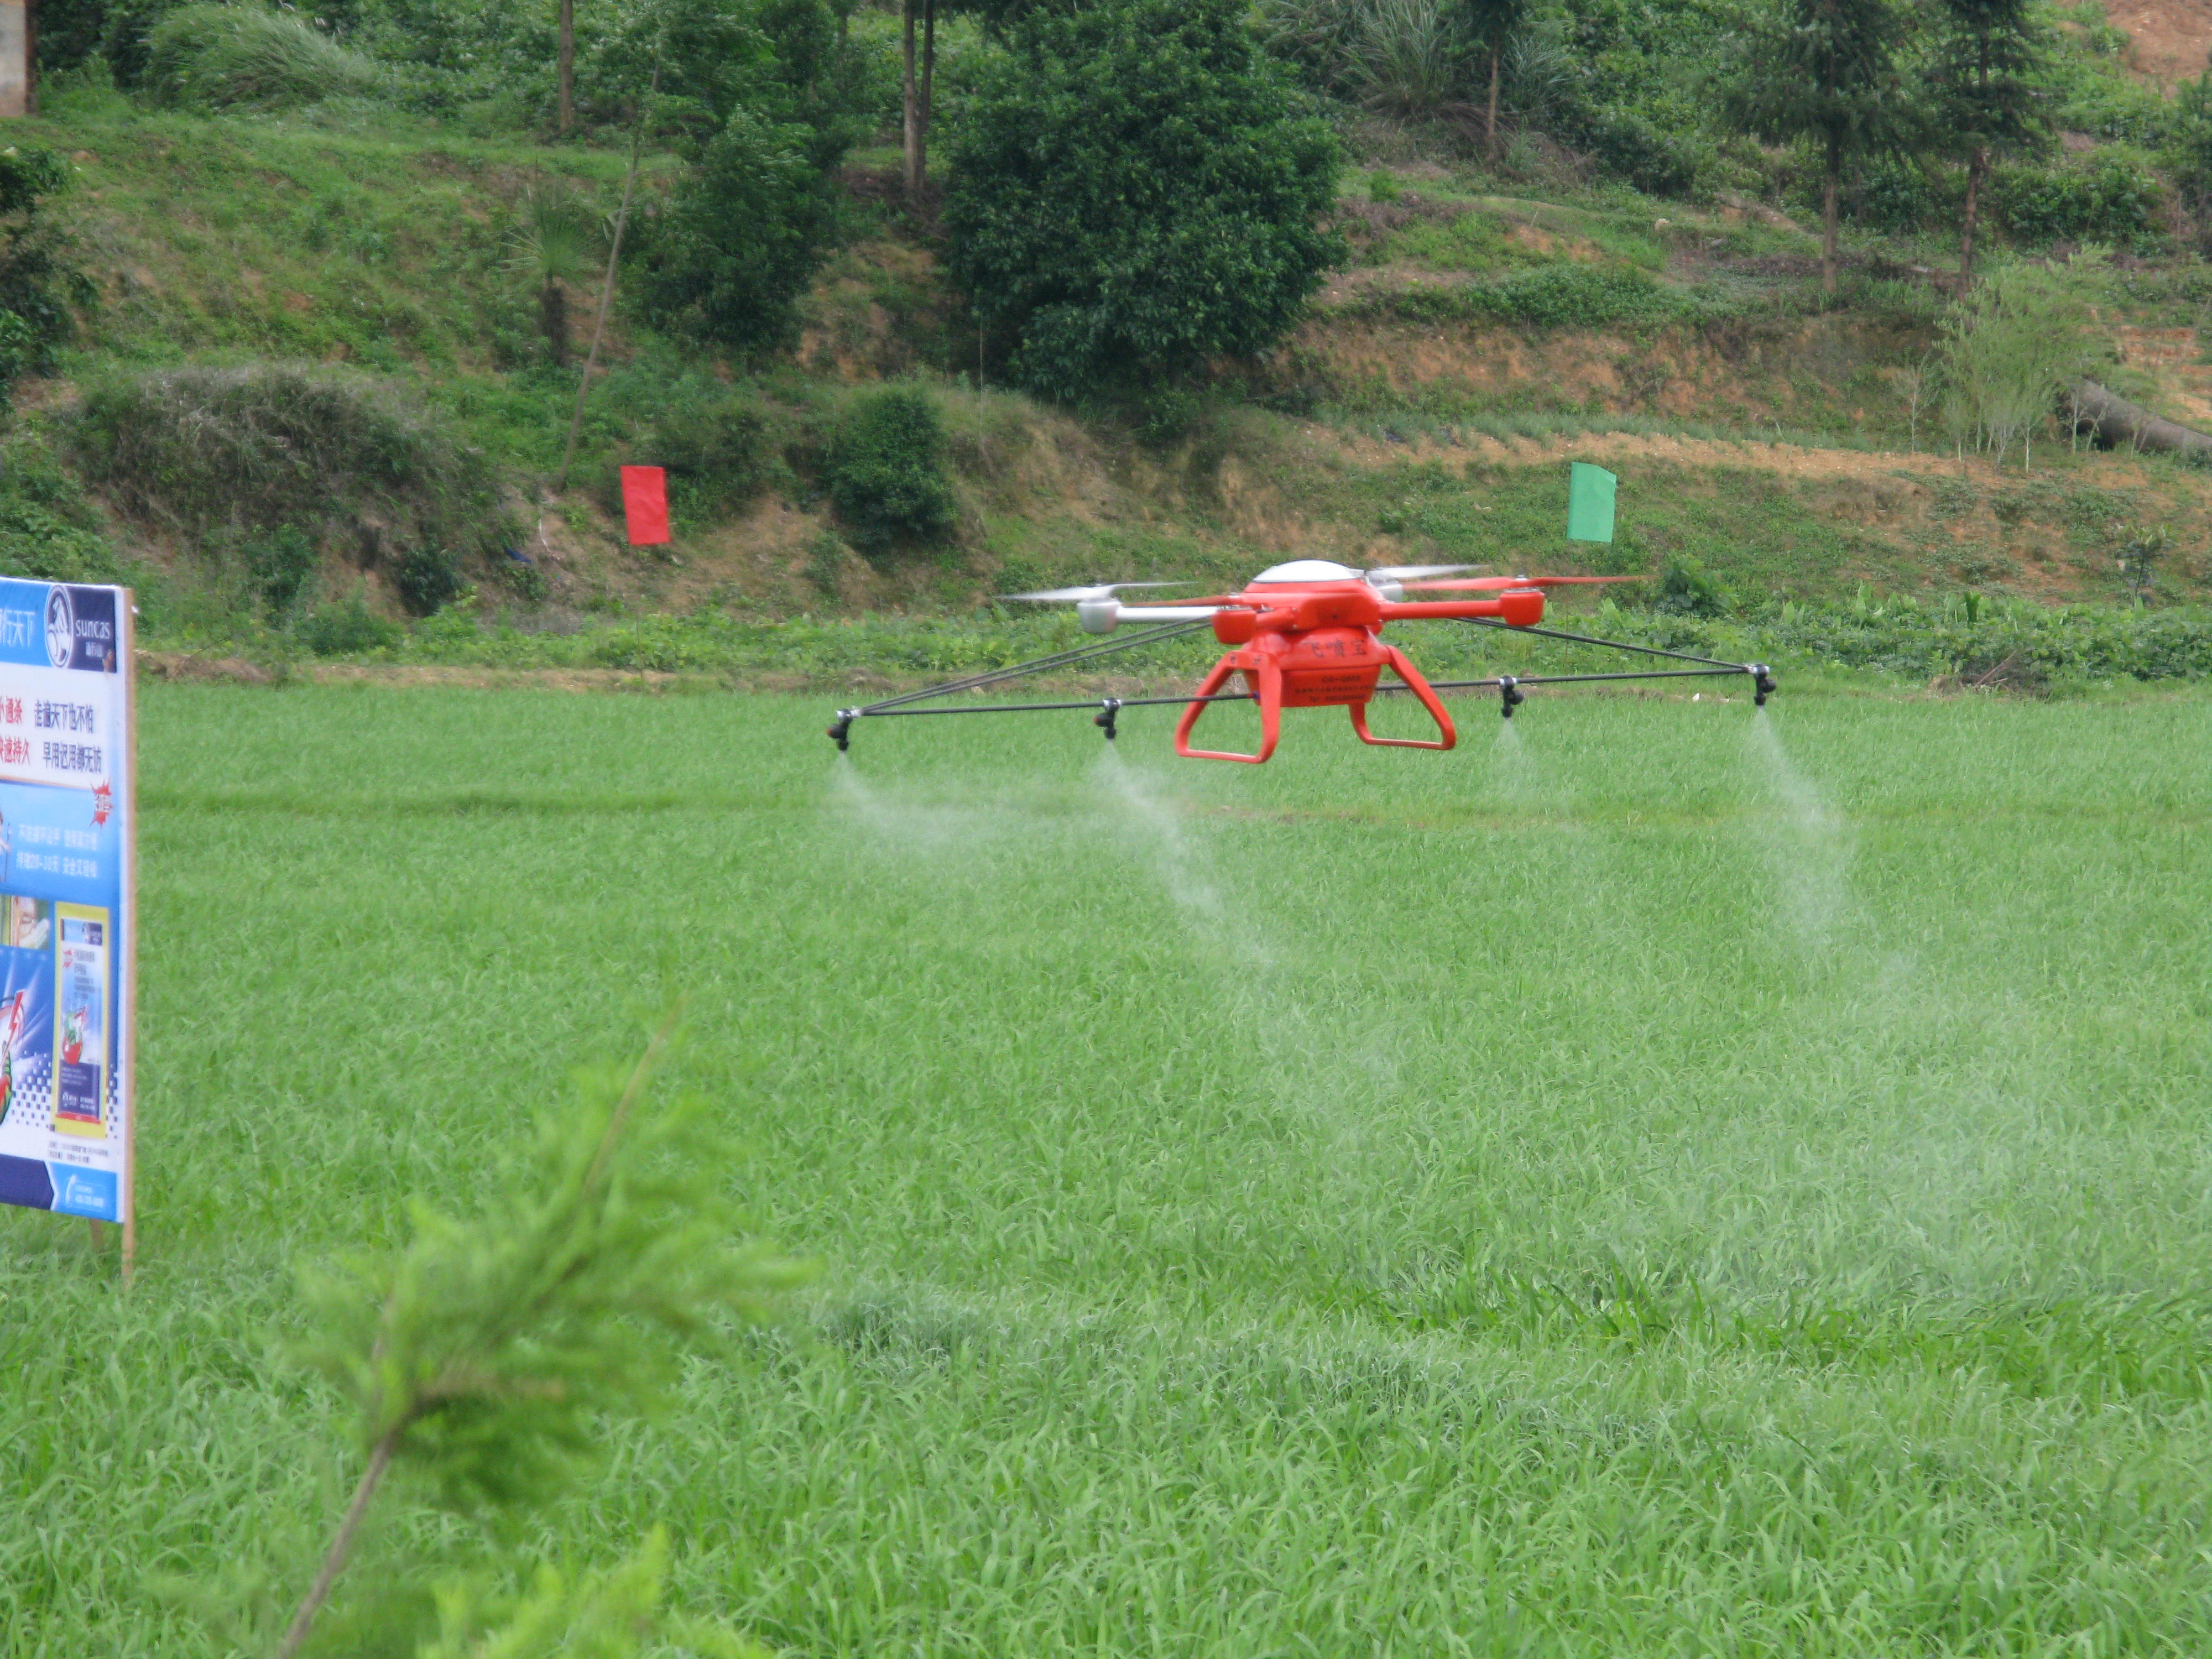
[1308, 635]
[1305, 635]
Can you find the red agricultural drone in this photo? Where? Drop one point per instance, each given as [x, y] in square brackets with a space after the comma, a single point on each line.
[1308, 635]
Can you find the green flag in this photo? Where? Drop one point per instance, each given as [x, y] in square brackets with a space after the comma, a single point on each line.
[1590, 503]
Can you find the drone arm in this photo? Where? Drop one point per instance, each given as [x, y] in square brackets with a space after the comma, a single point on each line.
[1520, 607]
[1105, 615]
[1167, 612]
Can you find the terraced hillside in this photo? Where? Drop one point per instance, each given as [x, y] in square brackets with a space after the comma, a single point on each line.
[1472, 343]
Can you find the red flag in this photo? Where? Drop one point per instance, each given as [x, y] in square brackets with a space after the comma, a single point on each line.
[645, 504]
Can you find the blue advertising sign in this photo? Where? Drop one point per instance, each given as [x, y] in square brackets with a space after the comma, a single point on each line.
[67, 897]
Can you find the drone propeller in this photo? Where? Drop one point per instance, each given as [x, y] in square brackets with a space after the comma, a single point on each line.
[1492, 584]
[1076, 595]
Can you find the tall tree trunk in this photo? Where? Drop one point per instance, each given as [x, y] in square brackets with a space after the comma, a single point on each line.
[910, 128]
[553, 321]
[1829, 187]
[928, 92]
[1489, 113]
[1977, 164]
[568, 66]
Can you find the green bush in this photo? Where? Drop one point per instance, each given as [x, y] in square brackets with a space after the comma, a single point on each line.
[280, 564]
[68, 33]
[426, 577]
[1997, 641]
[1686, 588]
[717, 455]
[124, 28]
[36, 543]
[1900, 197]
[887, 475]
[740, 241]
[347, 629]
[2113, 198]
[48, 531]
[716, 442]
[221, 57]
[1136, 190]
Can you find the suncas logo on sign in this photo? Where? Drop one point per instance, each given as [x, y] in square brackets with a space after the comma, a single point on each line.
[61, 627]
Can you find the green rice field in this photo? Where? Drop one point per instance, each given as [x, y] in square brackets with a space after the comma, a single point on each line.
[1676, 1182]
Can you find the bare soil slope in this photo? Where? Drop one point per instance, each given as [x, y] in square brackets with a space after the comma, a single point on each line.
[2168, 40]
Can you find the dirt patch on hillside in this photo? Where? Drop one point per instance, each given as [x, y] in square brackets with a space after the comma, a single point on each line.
[1789, 460]
[186, 668]
[1758, 371]
[2168, 40]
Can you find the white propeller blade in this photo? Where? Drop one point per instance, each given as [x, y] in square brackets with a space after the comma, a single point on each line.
[1406, 573]
[1076, 595]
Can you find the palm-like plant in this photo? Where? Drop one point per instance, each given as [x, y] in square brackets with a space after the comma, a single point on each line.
[554, 245]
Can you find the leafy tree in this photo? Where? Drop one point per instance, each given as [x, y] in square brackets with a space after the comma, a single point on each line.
[1137, 190]
[1988, 56]
[2006, 350]
[1493, 22]
[714, 58]
[565, 68]
[917, 94]
[1824, 71]
[741, 239]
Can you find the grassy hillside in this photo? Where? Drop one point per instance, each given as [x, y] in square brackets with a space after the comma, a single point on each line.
[1493, 321]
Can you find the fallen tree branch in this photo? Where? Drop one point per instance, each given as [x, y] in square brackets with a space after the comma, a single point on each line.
[2117, 422]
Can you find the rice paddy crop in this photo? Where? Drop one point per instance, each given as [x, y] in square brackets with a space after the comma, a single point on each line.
[1659, 1180]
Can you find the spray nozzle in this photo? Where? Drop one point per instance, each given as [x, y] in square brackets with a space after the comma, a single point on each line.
[1762, 683]
[1510, 694]
[841, 730]
[1109, 709]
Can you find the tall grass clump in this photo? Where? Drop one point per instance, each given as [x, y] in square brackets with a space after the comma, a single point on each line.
[244, 57]
[219, 453]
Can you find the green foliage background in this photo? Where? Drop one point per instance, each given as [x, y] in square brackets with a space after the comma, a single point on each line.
[1133, 192]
